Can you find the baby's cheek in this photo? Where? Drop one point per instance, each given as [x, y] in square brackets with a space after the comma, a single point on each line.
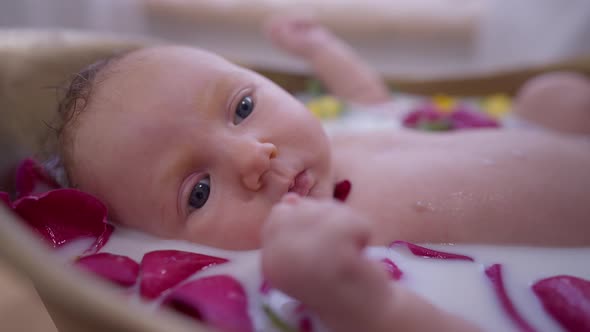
[237, 228]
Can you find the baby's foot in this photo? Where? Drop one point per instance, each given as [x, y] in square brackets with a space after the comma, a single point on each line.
[299, 35]
[558, 101]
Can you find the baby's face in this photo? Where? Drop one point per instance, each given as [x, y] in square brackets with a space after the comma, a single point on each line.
[183, 144]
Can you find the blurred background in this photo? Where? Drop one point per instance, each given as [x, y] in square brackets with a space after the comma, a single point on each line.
[416, 38]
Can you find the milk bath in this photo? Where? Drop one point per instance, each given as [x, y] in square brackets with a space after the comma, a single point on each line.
[458, 286]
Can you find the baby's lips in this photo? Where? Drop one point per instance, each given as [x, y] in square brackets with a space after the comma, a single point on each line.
[164, 269]
[567, 299]
[219, 301]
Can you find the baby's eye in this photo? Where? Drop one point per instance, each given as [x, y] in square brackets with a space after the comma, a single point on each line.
[199, 194]
[243, 110]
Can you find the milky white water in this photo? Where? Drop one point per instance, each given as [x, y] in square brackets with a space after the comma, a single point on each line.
[459, 287]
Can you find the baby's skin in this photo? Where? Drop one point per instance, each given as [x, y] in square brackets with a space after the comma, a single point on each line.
[182, 144]
[444, 174]
[162, 122]
[326, 269]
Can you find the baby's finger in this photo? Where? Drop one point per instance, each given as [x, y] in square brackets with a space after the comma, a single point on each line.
[293, 215]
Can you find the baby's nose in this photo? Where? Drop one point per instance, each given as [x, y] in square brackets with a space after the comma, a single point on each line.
[253, 161]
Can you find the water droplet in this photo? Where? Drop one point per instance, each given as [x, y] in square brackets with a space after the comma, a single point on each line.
[162, 272]
[422, 206]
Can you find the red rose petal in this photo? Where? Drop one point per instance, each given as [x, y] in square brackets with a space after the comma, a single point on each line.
[394, 272]
[31, 179]
[465, 119]
[411, 119]
[121, 270]
[423, 113]
[305, 325]
[494, 274]
[265, 287]
[341, 190]
[4, 197]
[427, 117]
[163, 269]
[218, 300]
[63, 215]
[567, 299]
[430, 253]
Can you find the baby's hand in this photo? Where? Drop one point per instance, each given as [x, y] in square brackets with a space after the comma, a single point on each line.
[298, 34]
[306, 239]
[313, 251]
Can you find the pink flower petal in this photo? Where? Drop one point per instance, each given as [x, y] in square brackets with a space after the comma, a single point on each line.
[425, 112]
[465, 119]
[163, 269]
[4, 197]
[494, 274]
[394, 272]
[32, 179]
[63, 215]
[219, 301]
[265, 287]
[341, 190]
[426, 117]
[430, 253]
[567, 299]
[121, 270]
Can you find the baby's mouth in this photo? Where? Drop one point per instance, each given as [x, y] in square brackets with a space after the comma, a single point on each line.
[301, 184]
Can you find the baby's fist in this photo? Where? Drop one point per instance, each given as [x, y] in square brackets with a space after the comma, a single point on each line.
[307, 241]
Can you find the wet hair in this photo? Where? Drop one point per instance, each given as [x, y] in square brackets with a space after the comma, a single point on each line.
[74, 98]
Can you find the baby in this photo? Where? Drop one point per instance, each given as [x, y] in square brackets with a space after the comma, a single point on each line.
[180, 143]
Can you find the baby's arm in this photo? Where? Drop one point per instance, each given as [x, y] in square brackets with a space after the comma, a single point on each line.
[333, 61]
[313, 251]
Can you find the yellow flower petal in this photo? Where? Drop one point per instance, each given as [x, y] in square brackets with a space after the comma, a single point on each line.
[325, 107]
[497, 105]
[444, 103]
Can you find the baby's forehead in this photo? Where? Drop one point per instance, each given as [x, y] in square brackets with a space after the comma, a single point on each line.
[169, 74]
[168, 59]
[172, 54]
[151, 88]
[161, 69]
